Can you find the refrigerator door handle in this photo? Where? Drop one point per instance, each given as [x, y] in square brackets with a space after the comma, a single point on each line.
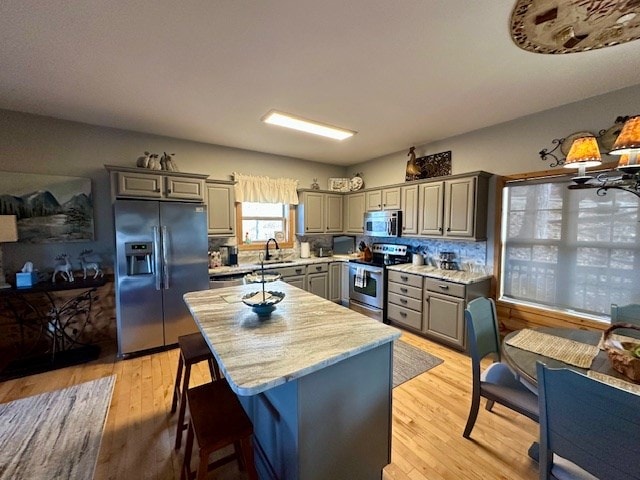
[156, 256]
[165, 256]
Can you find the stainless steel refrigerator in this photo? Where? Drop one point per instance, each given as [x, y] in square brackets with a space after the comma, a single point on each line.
[161, 253]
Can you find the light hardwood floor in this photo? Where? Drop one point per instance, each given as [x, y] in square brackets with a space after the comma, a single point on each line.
[429, 414]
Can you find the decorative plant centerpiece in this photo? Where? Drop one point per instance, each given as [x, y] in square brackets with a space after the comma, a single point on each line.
[624, 355]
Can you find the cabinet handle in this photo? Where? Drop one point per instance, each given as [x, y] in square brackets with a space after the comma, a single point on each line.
[157, 190]
[444, 287]
[440, 229]
[403, 314]
[230, 227]
[404, 278]
[448, 229]
[298, 270]
[318, 268]
[403, 300]
[404, 290]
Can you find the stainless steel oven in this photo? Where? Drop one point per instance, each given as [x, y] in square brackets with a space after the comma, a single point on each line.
[367, 280]
[366, 289]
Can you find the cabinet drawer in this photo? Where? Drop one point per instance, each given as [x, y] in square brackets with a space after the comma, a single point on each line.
[139, 185]
[407, 302]
[318, 267]
[405, 278]
[404, 316]
[290, 271]
[404, 290]
[442, 286]
[185, 188]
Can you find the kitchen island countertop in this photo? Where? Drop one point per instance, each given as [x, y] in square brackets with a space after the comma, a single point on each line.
[304, 334]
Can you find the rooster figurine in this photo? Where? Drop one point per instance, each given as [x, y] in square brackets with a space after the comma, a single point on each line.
[413, 170]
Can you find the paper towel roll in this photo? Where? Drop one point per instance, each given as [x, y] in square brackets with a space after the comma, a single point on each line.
[305, 251]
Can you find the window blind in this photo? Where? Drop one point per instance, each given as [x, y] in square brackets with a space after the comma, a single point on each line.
[570, 249]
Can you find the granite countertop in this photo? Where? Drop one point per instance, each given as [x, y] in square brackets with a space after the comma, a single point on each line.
[456, 276]
[250, 267]
[304, 334]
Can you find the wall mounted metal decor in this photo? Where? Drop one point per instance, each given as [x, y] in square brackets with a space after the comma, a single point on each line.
[429, 166]
[606, 137]
[49, 208]
[571, 26]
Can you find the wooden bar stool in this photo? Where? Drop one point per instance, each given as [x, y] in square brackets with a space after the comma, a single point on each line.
[216, 420]
[193, 349]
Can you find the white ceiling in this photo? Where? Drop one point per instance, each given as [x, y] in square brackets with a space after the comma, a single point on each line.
[399, 72]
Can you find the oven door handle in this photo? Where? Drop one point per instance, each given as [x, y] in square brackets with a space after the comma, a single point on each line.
[374, 270]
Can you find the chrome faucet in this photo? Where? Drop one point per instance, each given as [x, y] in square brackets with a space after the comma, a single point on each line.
[267, 255]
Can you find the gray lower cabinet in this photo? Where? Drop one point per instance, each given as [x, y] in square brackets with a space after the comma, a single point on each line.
[344, 290]
[443, 309]
[335, 282]
[334, 423]
[296, 276]
[404, 299]
[318, 279]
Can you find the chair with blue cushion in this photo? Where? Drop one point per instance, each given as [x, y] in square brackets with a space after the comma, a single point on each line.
[588, 429]
[498, 383]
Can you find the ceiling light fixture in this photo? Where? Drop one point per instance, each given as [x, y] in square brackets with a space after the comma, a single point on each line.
[298, 123]
[627, 145]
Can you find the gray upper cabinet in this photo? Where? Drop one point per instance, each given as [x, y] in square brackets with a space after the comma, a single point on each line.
[385, 199]
[311, 213]
[160, 185]
[455, 208]
[431, 208]
[354, 212]
[409, 210]
[333, 213]
[320, 212]
[459, 207]
[220, 201]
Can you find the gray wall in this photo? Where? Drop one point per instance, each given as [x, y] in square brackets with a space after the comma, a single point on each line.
[510, 147]
[36, 144]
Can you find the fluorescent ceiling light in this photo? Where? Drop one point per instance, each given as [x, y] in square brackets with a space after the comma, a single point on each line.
[298, 123]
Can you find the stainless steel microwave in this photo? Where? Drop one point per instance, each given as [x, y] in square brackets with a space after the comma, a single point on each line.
[387, 223]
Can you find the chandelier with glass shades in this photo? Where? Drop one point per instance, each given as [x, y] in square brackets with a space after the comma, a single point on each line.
[584, 153]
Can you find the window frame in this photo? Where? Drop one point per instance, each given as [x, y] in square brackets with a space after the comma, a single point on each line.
[514, 314]
[290, 224]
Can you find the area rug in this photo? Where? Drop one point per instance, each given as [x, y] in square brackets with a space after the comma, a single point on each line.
[409, 361]
[55, 434]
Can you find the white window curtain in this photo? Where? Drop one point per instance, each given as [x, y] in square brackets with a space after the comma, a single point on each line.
[252, 188]
[570, 249]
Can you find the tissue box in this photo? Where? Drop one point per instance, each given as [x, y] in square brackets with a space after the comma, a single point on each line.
[26, 279]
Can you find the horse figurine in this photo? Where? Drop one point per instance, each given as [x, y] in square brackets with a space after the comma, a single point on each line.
[64, 269]
[89, 265]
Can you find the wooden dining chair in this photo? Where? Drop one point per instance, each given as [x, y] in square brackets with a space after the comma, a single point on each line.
[588, 429]
[498, 383]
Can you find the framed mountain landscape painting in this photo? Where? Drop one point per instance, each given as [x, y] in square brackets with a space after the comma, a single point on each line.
[49, 208]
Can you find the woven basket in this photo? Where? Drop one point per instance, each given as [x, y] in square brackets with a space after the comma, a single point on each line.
[623, 360]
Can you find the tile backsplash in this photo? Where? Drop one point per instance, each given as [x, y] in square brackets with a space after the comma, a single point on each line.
[465, 252]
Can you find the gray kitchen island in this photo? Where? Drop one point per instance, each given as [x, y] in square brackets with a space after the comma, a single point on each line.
[315, 378]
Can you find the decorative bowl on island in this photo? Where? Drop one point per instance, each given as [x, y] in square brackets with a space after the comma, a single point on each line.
[263, 303]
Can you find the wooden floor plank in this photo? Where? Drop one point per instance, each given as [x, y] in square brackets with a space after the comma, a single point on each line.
[429, 414]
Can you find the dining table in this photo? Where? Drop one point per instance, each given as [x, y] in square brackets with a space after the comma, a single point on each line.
[523, 361]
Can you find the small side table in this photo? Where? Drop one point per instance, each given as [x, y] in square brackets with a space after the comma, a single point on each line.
[50, 329]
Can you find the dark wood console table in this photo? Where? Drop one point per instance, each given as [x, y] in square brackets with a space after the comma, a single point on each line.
[46, 332]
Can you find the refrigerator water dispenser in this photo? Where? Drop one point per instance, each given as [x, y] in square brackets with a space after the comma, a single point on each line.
[139, 258]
